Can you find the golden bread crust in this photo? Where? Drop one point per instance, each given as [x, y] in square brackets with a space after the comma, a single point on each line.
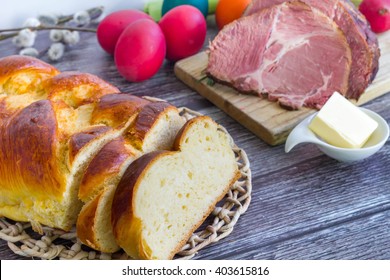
[5, 112]
[22, 74]
[113, 109]
[145, 121]
[79, 140]
[105, 164]
[28, 153]
[85, 230]
[10, 65]
[77, 89]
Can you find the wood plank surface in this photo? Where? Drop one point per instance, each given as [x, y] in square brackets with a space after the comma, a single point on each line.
[267, 119]
[304, 204]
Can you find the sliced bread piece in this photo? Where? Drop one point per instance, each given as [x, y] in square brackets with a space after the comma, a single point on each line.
[164, 196]
[154, 128]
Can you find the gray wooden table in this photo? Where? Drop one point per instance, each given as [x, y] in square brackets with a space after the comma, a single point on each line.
[304, 204]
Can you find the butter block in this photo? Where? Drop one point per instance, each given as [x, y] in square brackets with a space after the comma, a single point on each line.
[342, 124]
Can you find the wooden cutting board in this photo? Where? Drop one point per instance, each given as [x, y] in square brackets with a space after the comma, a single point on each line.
[267, 119]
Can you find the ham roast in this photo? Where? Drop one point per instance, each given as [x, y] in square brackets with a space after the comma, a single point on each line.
[291, 51]
[296, 52]
[363, 42]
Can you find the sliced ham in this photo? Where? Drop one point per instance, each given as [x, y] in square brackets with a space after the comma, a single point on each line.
[292, 52]
[362, 41]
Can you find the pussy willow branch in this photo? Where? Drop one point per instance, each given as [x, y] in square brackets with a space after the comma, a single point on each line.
[48, 28]
[6, 36]
[93, 12]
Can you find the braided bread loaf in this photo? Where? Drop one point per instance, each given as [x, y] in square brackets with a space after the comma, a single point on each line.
[44, 114]
[66, 141]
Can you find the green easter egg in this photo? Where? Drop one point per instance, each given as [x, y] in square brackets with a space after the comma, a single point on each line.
[153, 9]
[202, 5]
[212, 6]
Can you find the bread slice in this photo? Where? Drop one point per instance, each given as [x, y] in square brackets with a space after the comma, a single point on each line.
[94, 222]
[165, 195]
[154, 128]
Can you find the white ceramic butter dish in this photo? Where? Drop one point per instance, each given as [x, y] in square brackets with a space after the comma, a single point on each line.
[302, 134]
